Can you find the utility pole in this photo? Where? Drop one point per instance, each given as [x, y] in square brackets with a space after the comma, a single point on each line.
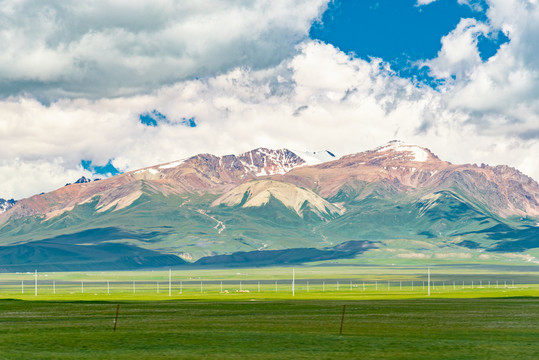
[293, 281]
[428, 281]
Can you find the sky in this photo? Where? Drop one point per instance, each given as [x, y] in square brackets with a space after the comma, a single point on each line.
[97, 88]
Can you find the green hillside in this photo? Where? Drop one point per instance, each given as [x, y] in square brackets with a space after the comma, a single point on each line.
[157, 230]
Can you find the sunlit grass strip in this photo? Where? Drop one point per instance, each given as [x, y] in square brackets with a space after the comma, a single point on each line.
[249, 290]
[349, 282]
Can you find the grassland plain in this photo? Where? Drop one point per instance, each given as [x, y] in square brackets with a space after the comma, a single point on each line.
[73, 314]
[347, 282]
[484, 328]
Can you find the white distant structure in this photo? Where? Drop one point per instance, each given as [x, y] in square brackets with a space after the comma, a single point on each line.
[293, 280]
[428, 281]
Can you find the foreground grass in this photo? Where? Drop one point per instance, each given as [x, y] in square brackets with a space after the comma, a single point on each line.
[486, 328]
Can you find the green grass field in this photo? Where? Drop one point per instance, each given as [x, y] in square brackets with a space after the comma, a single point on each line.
[398, 329]
[73, 314]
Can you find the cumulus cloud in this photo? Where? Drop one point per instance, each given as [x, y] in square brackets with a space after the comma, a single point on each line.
[94, 49]
[501, 94]
[459, 55]
[21, 178]
[348, 105]
[236, 111]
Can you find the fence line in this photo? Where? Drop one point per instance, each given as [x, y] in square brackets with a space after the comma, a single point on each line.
[295, 285]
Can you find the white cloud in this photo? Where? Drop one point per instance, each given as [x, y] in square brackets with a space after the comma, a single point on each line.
[424, 2]
[348, 105]
[60, 48]
[476, 5]
[473, 4]
[459, 55]
[501, 94]
[24, 178]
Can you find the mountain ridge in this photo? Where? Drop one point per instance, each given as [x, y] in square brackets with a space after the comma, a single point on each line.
[396, 195]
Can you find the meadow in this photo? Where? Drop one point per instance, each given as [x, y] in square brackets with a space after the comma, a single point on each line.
[483, 328]
[310, 282]
[75, 320]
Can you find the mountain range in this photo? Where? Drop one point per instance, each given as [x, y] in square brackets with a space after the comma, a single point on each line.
[267, 207]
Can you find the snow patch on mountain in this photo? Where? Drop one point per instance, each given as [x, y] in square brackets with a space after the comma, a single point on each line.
[147, 174]
[150, 170]
[316, 157]
[173, 164]
[5, 205]
[418, 153]
[266, 162]
[83, 180]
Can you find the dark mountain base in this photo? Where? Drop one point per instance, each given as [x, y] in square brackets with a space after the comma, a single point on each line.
[288, 256]
[86, 250]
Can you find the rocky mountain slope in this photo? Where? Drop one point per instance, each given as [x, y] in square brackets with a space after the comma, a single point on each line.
[397, 200]
[259, 192]
[200, 173]
[398, 168]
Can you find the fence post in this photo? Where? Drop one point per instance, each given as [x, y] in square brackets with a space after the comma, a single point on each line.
[342, 318]
[116, 318]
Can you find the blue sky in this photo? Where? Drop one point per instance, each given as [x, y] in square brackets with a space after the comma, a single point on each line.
[395, 31]
[114, 86]
[400, 32]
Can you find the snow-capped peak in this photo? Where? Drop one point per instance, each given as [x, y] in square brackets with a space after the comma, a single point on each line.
[5, 205]
[418, 153]
[83, 180]
[263, 162]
